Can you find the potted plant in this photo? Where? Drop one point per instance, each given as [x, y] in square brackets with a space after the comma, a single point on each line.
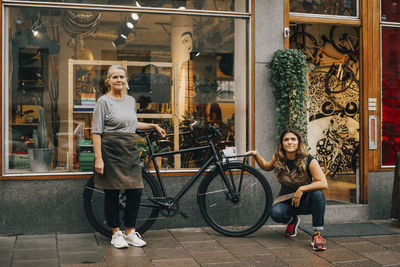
[40, 154]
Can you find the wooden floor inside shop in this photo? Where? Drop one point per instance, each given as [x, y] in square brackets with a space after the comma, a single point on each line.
[342, 189]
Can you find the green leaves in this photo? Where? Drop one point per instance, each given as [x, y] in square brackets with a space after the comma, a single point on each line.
[289, 81]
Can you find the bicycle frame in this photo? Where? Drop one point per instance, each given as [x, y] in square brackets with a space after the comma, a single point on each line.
[213, 159]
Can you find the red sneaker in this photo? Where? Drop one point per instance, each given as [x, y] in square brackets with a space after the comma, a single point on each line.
[291, 228]
[318, 242]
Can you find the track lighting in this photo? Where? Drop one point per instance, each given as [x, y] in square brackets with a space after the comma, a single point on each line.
[120, 40]
[129, 25]
[135, 16]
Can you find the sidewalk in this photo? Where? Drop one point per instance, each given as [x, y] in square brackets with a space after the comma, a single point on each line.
[202, 247]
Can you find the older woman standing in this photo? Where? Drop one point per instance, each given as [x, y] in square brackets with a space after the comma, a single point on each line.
[301, 180]
[117, 163]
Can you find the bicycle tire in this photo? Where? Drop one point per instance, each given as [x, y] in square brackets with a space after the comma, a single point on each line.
[334, 85]
[306, 43]
[336, 34]
[243, 216]
[94, 206]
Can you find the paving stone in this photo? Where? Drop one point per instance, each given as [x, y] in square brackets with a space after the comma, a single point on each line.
[395, 247]
[36, 263]
[35, 243]
[102, 240]
[73, 238]
[112, 252]
[34, 237]
[5, 262]
[203, 246]
[349, 239]
[139, 261]
[157, 234]
[6, 253]
[384, 239]
[308, 261]
[339, 255]
[248, 249]
[292, 253]
[364, 247]
[262, 260]
[167, 253]
[85, 265]
[7, 241]
[277, 242]
[162, 243]
[226, 240]
[35, 254]
[385, 258]
[190, 234]
[81, 258]
[176, 263]
[215, 257]
[358, 263]
[68, 247]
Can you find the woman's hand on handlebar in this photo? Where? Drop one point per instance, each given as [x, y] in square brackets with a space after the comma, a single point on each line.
[251, 153]
[160, 131]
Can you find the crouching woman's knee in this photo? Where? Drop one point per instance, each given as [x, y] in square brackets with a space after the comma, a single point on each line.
[279, 213]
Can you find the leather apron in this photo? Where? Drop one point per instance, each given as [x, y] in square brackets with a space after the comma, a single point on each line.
[121, 162]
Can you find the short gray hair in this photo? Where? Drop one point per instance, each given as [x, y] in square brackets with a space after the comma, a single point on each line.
[115, 67]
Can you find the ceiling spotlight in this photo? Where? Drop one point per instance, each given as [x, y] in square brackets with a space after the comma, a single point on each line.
[35, 32]
[118, 41]
[182, 8]
[137, 4]
[135, 16]
[129, 25]
[123, 36]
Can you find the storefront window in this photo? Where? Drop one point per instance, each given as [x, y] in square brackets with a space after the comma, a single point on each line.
[57, 59]
[325, 7]
[390, 94]
[390, 10]
[214, 5]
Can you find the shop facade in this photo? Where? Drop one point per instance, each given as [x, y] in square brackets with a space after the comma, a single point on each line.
[208, 61]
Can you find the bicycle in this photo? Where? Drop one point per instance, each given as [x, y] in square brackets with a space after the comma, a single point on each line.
[339, 76]
[234, 198]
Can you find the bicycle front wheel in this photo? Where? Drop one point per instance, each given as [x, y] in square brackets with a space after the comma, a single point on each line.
[242, 212]
[93, 201]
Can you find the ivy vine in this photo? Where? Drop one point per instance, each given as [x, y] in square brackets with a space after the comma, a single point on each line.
[289, 84]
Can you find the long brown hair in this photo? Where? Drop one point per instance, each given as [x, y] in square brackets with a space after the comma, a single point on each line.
[300, 158]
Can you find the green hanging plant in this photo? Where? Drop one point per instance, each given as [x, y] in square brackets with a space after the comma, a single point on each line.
[289, 84]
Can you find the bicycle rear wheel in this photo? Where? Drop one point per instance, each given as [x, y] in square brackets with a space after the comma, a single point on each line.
[93, 201]
[306, 43]
[239, 214]
[345, 39]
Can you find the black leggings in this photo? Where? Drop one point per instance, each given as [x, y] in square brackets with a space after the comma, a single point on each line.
[111, 207]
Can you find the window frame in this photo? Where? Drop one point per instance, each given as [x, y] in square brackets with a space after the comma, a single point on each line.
[248, 16]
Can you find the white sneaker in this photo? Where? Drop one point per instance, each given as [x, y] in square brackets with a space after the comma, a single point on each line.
[118, 240]
[135, 239]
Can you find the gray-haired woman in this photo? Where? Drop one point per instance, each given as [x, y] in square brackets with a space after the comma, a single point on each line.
[117, 163]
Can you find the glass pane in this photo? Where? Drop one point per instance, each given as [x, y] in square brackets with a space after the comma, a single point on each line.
[390, 10]
[57, 65]
[214, 5]
[325, 7]
[333, 106]
[390, 95]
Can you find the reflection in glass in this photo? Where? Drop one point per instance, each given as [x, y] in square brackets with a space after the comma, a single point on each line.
[215, 5]
[390, 94]
[180, 69]
[325, 7]
[390, 10]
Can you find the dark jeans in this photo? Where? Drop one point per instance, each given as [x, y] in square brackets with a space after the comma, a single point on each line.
[111, 207]
[312, 202]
